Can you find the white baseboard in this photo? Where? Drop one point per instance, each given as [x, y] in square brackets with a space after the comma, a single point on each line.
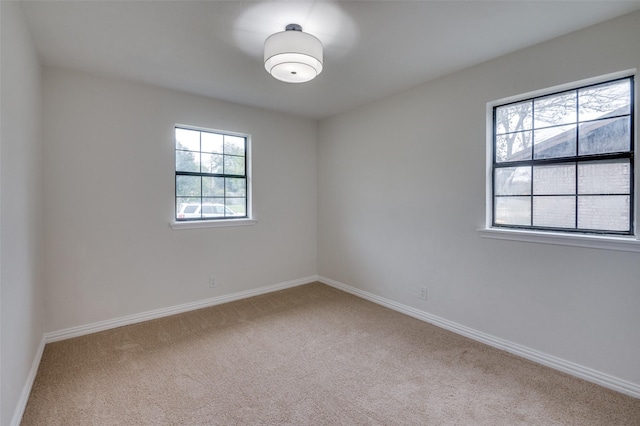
[95, 327]
[132, 319]
[26, 390]
[602, 379]
[625, 387]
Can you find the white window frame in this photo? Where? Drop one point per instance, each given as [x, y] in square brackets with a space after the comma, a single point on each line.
[621, 243]
[213, 223]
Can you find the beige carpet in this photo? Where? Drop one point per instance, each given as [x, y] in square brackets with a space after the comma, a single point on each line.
[310, 355]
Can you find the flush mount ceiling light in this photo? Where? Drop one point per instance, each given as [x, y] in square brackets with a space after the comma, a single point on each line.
[293, 56]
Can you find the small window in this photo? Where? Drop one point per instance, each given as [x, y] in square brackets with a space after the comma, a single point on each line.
[211, 175]
[565, 161]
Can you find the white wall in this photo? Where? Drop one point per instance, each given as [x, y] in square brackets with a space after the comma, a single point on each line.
[109, 188]
[21, 209]
[402, 192]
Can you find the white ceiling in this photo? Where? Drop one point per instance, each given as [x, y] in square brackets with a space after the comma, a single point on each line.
[372, 48]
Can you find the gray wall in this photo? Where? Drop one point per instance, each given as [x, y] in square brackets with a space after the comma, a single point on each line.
[21, 295]
[402, 192]
[109, 199]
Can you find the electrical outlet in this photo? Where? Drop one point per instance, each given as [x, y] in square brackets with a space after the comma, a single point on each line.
[423, 293]
[212, 282]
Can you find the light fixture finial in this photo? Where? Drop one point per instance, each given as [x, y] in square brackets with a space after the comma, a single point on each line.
[293, 27]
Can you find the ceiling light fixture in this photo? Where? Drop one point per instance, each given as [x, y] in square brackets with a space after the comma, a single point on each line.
[293, 56]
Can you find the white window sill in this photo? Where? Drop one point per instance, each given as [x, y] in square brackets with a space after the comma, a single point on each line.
[195, 224]
[557, 238]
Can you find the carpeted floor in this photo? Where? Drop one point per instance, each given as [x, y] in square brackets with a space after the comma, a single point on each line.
[310, 355]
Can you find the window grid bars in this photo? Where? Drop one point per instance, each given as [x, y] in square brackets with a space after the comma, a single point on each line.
[575, 159]
[205, 174]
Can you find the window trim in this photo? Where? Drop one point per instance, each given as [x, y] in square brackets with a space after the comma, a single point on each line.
[199, 224]
[629, 243]
[223, 221]
[595, 241]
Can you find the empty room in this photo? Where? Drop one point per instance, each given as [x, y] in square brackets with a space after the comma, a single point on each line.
[319, 212]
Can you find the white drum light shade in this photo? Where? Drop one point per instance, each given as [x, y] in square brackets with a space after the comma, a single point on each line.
[293, 56]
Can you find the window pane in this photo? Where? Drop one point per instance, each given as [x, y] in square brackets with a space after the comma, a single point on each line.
[188, 139]
[212, 163]
[237, 206]
[212, 142]
[185, 203]
[513, 181]
[212, 186]
[187, 161]
[555, 110]
[604, 177]
[555, 179]
[513, 211]
[235, 187]
[571, 153]
[604, 100]
[514, 117]
[513, 147]
[187, 208]
[212, 207]
[612, 135]
[234, 145]
[555, 212]
[213, 200]
[608, 212]
[187, 186]
[554, 142]
[233, 165]
[190, 209]
[205, 162]
[209, 210]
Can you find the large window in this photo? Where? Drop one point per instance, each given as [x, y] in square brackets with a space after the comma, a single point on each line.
[211, 175]
[564, 161]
